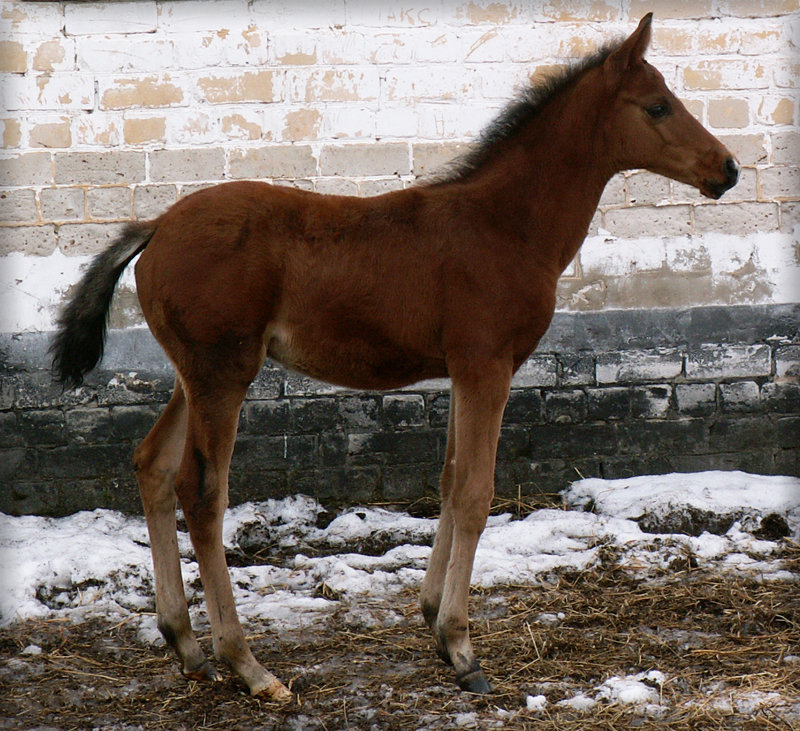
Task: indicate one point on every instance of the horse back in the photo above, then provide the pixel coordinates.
(341, 288)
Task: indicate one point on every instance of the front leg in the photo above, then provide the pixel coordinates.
(479, 397)
(433, 584)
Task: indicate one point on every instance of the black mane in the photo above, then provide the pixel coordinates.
(517, 113)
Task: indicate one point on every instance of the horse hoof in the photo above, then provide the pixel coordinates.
(272, 689)
(205, 673)
(474, 682)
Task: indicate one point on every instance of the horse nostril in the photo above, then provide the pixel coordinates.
(732, 170)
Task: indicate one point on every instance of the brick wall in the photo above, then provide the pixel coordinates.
(112, 111)
(609, 394)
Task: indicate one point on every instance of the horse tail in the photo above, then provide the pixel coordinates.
(78, 344)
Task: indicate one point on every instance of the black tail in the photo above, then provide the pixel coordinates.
(79, 341)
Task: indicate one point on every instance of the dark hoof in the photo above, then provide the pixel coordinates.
(204, 672)
(474, 682)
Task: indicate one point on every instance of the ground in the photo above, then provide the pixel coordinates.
(724, 647)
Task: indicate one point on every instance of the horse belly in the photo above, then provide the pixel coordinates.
(354, 361)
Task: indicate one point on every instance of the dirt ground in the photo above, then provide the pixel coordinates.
(728, 648)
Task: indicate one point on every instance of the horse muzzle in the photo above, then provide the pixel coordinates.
(715, 188)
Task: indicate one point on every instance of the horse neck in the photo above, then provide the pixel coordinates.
(549, 182)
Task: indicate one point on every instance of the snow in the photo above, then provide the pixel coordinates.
(535, 702)
(711, 492)
(98, 562)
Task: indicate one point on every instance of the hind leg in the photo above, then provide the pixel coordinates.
(157, 460)
(202, 488)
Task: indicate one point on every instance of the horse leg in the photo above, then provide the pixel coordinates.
(202, 489)
(157, 460)
(433, 584)
(480, 401)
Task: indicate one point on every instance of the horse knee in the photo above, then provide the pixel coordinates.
(470, 514)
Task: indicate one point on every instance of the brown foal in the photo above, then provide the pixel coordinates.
(455, 278)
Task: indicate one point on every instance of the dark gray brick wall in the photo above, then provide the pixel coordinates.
(608, 394)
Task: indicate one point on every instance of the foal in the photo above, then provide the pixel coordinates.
(454, 278)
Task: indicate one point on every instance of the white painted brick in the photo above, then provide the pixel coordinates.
(296, 48)
(279, 14)
(333, 84)
(241, 123)
(116, 17)
(343, 47)
(348, 122)
(243, 46)
(62, 91)
(153, 90)
(113, 54)
(786, 74)
(484, 46)
(621, 257)
(193, 127)
(53, 54)
(481, 13)
(247, 47)
(400, 121)
(428, 76)
(194, 15)
(99, 129)
(454, 121)
(727, 74)
(392, 14)
(292, 124)
(500, 82)
(686, 255)
(410, 83)
(199, 50)
(395, 48)
(437, 45)
(20, 17)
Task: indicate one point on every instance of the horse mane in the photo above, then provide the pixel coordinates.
(517, 113)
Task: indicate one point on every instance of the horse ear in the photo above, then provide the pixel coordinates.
(632, 49)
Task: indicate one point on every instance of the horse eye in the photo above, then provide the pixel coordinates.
(657, 111)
